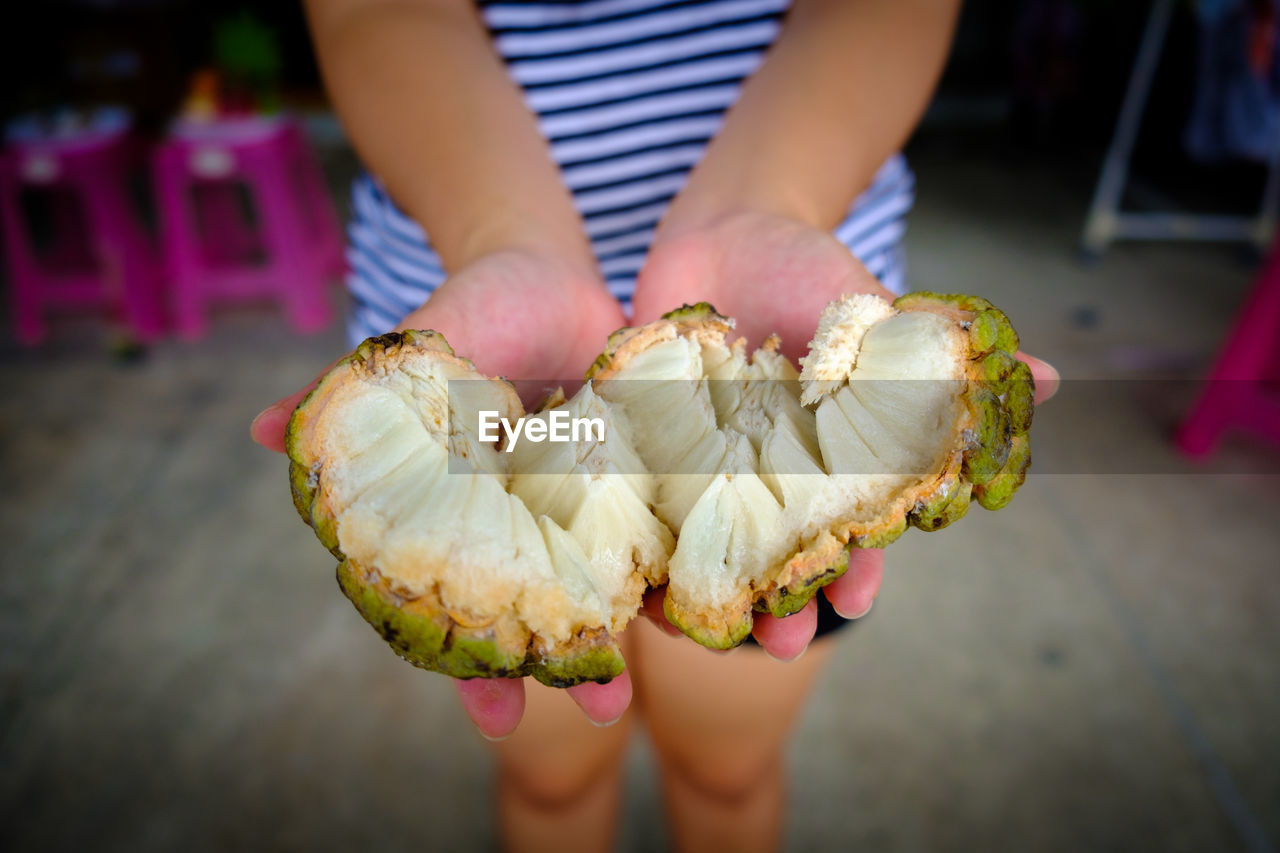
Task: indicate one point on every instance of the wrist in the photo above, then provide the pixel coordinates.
(700, 209)
(504, 229)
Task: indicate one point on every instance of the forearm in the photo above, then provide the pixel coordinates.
(839, 92)
(431, 110)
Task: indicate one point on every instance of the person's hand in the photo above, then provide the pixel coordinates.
(513, 314)
(773, 275)
(522, 316)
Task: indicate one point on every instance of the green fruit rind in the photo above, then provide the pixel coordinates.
(936, 503)
(600, 664)
(992, 433)
(429, 639)
(983, 333)
(882, 538)
(1019, 399)
(695, 312)
(954, 510)
(611, 346)
(736, 628)
(416, 639)
(419, 338)
(997, 368)
(789, 599)
(928, 300)
(1006, 337)
(474, 653)
(304, 502)
(989, 328)
(996, 493)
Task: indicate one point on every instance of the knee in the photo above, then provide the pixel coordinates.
(731, 774)
(559, 782)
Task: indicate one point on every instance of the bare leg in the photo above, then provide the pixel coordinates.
(719, 724)
(560, 777)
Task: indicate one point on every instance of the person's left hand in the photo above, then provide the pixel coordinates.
(773, 275)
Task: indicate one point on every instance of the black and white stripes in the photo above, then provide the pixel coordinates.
(627, 92)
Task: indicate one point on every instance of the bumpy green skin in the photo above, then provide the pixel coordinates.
(997, 367)
(789, 599)
(928, 515)
(882, 538)
(611, 347)
(996, 493)
(418, 640)
(939, 516)
(735, 632)
(992, 432)
(1020, 399)
(694, 313)
(983, 332)
(601, 664)
(430, 640)
(1001, 396)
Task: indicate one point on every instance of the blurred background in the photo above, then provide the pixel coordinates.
(1095, 667)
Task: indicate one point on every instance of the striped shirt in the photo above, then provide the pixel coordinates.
(627, 94)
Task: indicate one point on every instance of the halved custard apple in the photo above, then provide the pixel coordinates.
(902, 414)
(733, 479)
(436, 552)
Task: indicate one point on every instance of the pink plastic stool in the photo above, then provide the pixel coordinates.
(245, 215)
(1242, 391)
(99, 255)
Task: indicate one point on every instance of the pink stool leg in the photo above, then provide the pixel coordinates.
(71, 249)
(180, 238)
(1232, 395)
(26, 279)
(302, 278)
(127, 259)
(327, 229)
(226, 238)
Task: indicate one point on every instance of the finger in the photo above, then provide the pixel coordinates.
(269, 426)
(852, 593)
(603, 704)
(786, 639)
(651, 607)
(495, 705)
(1046, 376)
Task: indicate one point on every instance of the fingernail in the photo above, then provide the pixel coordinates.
(774, 657)
(267, 411)
(606, 723)
(494, 738)
(852, 616)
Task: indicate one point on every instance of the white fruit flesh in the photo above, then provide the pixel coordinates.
(714, 470)
(420, 499)
(747, 486)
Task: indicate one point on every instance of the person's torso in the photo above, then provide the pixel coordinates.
(627, 94)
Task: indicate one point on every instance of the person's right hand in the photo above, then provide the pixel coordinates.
(519, 315)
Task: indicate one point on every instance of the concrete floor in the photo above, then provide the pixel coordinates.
(1095, 667)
